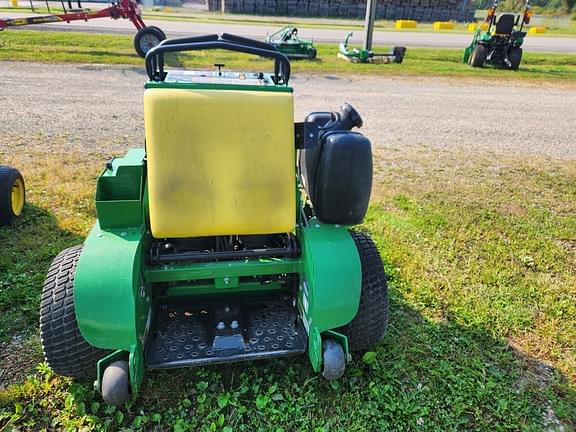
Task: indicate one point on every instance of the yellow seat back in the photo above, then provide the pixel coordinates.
(220, 162)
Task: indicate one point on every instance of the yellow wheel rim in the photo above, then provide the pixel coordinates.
(18, 196)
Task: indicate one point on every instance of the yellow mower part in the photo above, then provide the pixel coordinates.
(220, 162)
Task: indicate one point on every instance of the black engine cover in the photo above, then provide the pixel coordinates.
(338, 177)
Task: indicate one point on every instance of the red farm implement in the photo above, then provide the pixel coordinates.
(146, 38)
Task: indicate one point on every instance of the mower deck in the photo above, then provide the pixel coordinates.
(223, 332)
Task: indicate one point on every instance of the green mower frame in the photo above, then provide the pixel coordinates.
(126, 301)
(12, 195)
(356, 55)
(501, 44)
(287, 41)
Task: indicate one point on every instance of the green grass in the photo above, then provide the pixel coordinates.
(116, 49)
(481, 252)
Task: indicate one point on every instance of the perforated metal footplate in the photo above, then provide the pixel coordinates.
(222, 333)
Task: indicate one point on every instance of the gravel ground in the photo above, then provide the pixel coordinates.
(99, 108)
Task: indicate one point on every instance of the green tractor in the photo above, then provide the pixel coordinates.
(501, 44)
(286, 41)
(356, 55)
(12, 195)
(226, 238)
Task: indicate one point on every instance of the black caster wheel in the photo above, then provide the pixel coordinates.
(334, 360)
(116, 383)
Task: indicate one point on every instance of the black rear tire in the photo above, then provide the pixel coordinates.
(515, 57)
(369, 325)
(9, 179)
(312, 53)
(478, 57)
(147, 38)
(65, 350)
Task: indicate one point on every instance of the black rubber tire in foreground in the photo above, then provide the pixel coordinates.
(515, 57)
(116, 383)
(479, 55)
(8, 176)
(65, 350)
(151, 35)
(369, 325)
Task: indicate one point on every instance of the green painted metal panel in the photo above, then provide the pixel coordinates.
(103, 363)
(212, 270)
(119, 192)
(208, 288)
(207, 86)
(518, 41)
(331, 283)
(111, 300)
(137, 367)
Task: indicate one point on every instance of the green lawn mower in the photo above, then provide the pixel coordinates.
(227, 238)
(12, 195)
(501, 44)
(356, 55)
(286, 41)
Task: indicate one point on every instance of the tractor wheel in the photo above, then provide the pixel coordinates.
(333, 360)
(116, 383)
(65, 350)
(478, 57)
(399, 53)
(312, 53)
(515, 57)
(369, 324)
(12, 195)
(147, 38)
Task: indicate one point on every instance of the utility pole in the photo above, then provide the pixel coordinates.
(369, 24)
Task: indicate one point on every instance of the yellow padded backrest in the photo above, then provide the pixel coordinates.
(220, 162)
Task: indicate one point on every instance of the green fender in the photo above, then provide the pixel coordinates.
(110, 297)
(112, 301)
(331, 282)
(518, 41)
(478, 35)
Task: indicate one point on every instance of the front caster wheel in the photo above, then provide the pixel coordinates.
(116, 383)
(334, 360)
